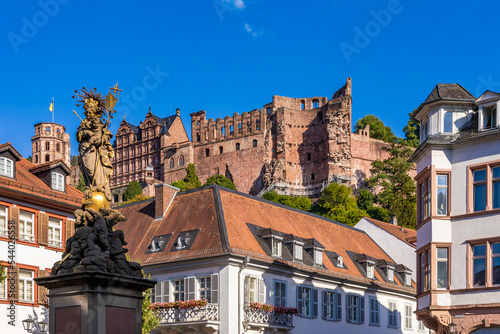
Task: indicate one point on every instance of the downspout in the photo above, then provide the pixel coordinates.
(246, 260)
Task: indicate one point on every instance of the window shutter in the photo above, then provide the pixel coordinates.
(189, 285)
(43, 229)
(348, 308)
(247, 290)
(14, 215)
(215, 288)
(13, 279)
(42, 291)
(362, 309)
(325, 305)
(299, 299)
(165, 291)
(315, 303)
(339, 306)
(262, 291)
(157, 292)
(70, 228)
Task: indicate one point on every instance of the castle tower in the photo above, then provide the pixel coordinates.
(50, 142)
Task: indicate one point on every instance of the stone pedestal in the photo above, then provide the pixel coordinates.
(95, 302)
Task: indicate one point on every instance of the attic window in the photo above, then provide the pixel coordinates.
(318, 257)
(277, 247)
(297, 251)
(154, 246)
(340, 261)
(490, 117)
(6, 167)
(390, 274)
(370, 269)
(57, 181)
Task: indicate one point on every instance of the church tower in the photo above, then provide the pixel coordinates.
(50, 142)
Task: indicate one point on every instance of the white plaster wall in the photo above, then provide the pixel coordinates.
(443, 299)
(473, 298)
(21, 313)
(441, 159)
(399, 251)
(424, 301)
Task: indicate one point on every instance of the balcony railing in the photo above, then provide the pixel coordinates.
(255, 316)
(210, 312)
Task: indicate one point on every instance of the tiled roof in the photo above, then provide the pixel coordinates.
(224, 218)
(404, 234)
(447, 92)
(28, 187)
(50, 165)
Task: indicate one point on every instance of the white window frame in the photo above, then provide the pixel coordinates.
(205, 287)
(298, 250)
(276, 246)
(279, 299)
(370, 269)
(178, 289)
(447, 271)
(374, 319)
(24, 221)
(6, 167)
(318, 257)
(408, 316)
(55, 225)
(4, 232)
(26, 286)
(57, 181)
(392, 314)
(390, 274)
(421, 327)
(3, 289)
(251, 289)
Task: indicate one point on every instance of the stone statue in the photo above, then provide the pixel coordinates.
(95, 246)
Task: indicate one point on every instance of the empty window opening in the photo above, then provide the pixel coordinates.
(312, 177)
(58, 147)
(490, 117)
(240, 130)
(308, 156)
(221, 149)
(198, 138)
(47, 158)
(255, 143)
(303, 105)
(231, 130)
(47, 130)
(207, 152)
(237, 146)
(315, 104)
(223, 131)
(257, 125)
(47, 146)
(320, 116)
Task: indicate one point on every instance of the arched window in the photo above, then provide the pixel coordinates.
(198, 138)
(231, 130)
(47, 146)
(315, 104)
(303, 105)
(36, 159)
(47, 158)
(255, 143)
(223, 131)
(207, 152)
(237, 146)
(58, 147)
(172, 163)
(58, 133)
(47, 130)
(221, 149)
(181, 160)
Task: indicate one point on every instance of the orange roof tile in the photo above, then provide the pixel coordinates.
(404, 234)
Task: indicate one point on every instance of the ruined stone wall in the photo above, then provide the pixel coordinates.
(175, 160)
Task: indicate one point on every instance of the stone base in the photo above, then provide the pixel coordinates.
(95, 302)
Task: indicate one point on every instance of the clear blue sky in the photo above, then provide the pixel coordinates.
(228, 56)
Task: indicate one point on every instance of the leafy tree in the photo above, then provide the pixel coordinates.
(396, 187)
(412, 132)
(221, 181)
(191, 179)
(136, 198)
(378, 130)
(179, 184)
(365, 201)
(134, 188)
(301, 203)
(74, 160)
(81, 184)
(30, 159)
(3, 274)
(337, 203)
(150, 319)
(379, 213)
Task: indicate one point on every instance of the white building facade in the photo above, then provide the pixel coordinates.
(458, 211)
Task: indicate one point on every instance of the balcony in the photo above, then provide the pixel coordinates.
(201, 319)
(254, 318)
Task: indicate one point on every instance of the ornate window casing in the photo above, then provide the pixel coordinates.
(374, 311)
(483, 187)
(6, 167)
(280, 288)
(483, 263)
(332, 305)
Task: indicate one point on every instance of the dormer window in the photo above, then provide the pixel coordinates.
(489, 117)
(340, 261)
(6, 167)
(154, 246)
(318, 257)
(277, 246)
(370, 269)
(390, 274)
(405, 274)
(298, 249)
(57, 181)
(407, 279)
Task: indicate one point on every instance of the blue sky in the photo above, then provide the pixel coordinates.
(227, 56)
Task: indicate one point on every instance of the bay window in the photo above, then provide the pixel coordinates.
(479, 192)
(442, 195)
(442, 268)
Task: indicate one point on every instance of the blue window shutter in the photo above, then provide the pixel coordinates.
(362, 309)
(299, 299)
(348, 308)
(325, 306)
(339, 306)
(315, 303)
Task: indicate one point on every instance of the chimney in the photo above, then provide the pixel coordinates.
(164, 196)
(394, 221)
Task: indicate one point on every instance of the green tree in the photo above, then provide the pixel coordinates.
(74, 160)
(301, 203)
(338, 203)
(365, 201)
(81, 184)
(191, 179)
(397, 189)
(3, 274)
(221, 181)
(134, 188)
(150, 319)
(378, 130)
(30, 159)
(179, 184)
(412, 132)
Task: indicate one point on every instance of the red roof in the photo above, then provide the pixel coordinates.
(404, 234)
